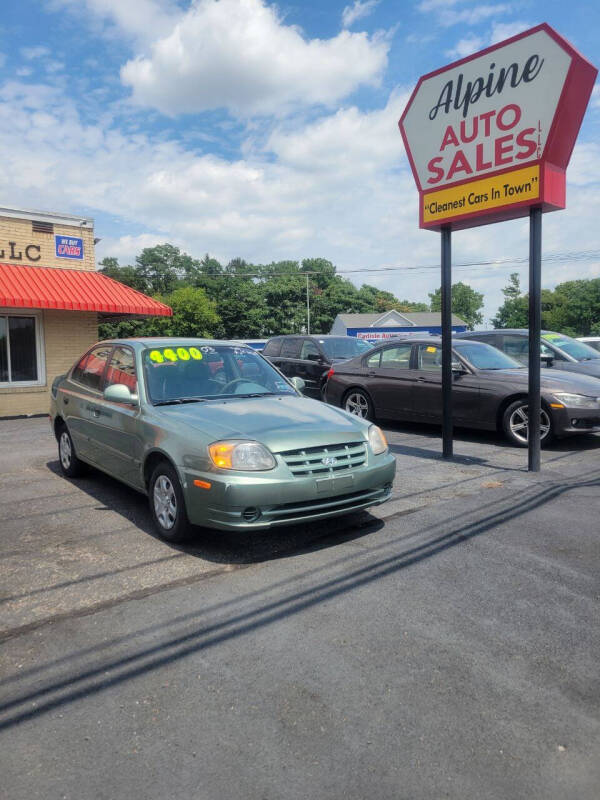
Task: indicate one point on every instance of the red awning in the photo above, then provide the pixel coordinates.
(73, 290)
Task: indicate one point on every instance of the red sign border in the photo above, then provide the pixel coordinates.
(571, 107)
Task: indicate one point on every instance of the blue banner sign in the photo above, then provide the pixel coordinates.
(69, 247)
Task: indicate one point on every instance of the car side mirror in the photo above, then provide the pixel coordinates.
(458, 368)
(119, 393)
(298, 383)
(547, 361)
(314, 357)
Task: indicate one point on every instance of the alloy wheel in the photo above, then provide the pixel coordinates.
(356, 403)
(519, 424)
(165, 502)
(65, 450)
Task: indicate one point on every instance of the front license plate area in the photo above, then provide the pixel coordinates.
(337, 485)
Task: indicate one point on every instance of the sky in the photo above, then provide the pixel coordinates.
(244, 128)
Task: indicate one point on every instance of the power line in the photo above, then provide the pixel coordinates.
(581, 255)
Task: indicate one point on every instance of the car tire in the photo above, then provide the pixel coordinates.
(167, 504)
(515, 424)
(70, 465)
(357, 402)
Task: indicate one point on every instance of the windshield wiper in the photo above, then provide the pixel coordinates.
(249, 394)
(177, 400)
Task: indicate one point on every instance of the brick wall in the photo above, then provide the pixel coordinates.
(67, 335)
(19, 231)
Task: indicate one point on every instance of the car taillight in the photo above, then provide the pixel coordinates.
(330, 373)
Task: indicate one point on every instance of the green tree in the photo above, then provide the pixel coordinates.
(164, 267)
(194, 314)
(130, 276)
(514, 312)
(466, 303)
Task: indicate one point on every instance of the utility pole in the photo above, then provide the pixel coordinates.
(307, 306)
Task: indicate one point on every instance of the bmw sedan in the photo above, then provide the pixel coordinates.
(215, 436)
(403, 380)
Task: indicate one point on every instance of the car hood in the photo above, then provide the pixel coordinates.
(585, 367)
(553, 380)
(283, 422)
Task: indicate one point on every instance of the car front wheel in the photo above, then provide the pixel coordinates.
(358, 402)
(515, 423)
(167, 504)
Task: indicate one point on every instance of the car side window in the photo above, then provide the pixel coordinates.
(93, 372)
(549, 351)
(78, 370)
(429, 357)
(290, 348)
(374, 360)
(272, 347)
(121, 369)
(397, 357)
(309, 348)
(516, 346)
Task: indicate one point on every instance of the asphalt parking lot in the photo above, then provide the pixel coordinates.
(443, 645)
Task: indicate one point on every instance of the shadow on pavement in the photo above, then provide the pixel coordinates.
(225, 547)
(248, 613)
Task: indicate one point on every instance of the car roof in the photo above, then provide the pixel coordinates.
(523, 331)
(312, 336)
(165, 341)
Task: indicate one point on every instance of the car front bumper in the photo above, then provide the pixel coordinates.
(576, 420)
(262, 501)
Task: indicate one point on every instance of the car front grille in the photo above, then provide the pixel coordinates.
(327, 460)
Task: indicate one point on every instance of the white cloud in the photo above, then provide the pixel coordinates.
(465, 47)
(238, 54)
(142, 20)
(447, 14)
(595, 99)
(31, 53)
(504, 30)
(358, 10)
(339, 188)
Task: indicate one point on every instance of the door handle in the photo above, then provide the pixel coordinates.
(66, 401)
(421, 380)
(95, 412)
(372, 373)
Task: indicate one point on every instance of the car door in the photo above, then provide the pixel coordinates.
(311, 367)
(389, 380)
(82, 394)
(427, 392)
(289, 358)
(117, 431)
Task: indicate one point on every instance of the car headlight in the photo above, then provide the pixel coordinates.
(377, 440)
(241, 455)
(577, 400)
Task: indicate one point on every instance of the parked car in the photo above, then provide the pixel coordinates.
(214, 435)
(309, 357)
(557, 351)
(591, 341)
(403, 380)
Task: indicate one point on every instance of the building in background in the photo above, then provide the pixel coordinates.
(390, 324)
(51, 299)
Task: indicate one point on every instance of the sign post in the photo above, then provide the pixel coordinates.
(489, 139)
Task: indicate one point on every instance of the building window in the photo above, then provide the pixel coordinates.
(21, 362)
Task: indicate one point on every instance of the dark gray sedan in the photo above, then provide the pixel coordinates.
(402, 380)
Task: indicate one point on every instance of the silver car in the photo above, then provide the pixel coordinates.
(215, 436)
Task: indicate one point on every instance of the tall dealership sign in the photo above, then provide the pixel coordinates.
(489, 139)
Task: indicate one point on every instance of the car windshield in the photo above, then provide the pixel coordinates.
(484, 356)
(573, 348)
(344, 346)
(189, 373)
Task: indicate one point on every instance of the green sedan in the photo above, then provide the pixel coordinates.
(215, 436)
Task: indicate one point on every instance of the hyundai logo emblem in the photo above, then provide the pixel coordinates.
(329, 461)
